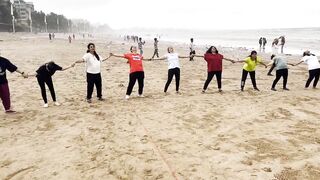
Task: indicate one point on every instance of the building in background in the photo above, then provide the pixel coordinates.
(24, 10)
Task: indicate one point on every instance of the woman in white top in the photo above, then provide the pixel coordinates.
(313, 67)
(173, 67)
(93, 69)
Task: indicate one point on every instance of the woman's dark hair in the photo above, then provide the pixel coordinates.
(50, 65)
(307, 53)
(252, 53)
(131, 48)
(169, 48)
(95, 53)
(155, 39)
(210, 50)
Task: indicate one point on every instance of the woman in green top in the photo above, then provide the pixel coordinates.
(249, 67)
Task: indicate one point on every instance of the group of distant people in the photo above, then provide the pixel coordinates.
(212, 56)
(276, 43)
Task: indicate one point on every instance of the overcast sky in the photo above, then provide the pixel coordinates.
(199, 14)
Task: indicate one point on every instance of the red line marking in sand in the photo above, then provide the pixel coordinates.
(173, 173)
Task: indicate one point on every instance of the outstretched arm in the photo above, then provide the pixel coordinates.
(106, 58)
(264, 64)
(115, 55)
(79, 61)
(72, 65)
(162, 58)
(186, 56)
(227, 59)
(297, 63)
(195, 55)
(22, 73)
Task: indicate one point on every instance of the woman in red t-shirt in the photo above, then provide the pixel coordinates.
(214, 62)
(136, 70)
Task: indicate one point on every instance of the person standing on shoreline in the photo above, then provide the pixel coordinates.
(192, 50)
(140, 46)
(282, 41)
(156, 50)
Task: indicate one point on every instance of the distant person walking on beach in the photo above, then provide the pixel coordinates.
(313, 67)
(274, 46)
(74, 37)
(249, 67)
(93, 68)
(53, 35)
(69, 39)
(282, 41)
(173, 67)
(260, 43)
(140, 46)
(264, 42)
(5, 65)
(281, 66)
(192, 50)
(214, 63)
(44, 76)
(50, 36)
(156, 50)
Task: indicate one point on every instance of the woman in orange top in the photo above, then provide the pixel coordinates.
(136, 70)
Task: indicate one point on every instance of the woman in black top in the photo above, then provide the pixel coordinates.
(43, 75)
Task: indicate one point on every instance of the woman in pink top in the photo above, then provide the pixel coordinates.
(214, 63)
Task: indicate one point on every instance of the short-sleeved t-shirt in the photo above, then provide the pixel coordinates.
(280, 63)
(250, 64)
(173, 60)
(93, 65)
(135, 61)
(5, 64)
(312, 61)
(214, 61)
(46, 71)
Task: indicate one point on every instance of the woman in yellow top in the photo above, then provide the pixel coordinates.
(249, 67)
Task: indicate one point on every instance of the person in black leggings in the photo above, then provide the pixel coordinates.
(214, 63)
(313, 67)
(173, 67)
(281, 66)
(44, 76)
(249, 68)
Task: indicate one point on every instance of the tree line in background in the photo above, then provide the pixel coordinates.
(55, 22)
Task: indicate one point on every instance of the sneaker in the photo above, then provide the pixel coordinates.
(141, 95)
(89, 101)
(178, 92)
(203, 91)
(273, 89)
(127, 97)
(269, 74)
(101, 99)
(45, 105)
(57, 104)
(220, 90)
(286, 89)
(256, 89)
(10, 111)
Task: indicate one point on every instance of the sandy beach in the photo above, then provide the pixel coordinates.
(215, 136)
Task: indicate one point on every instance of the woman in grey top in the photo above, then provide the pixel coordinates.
(281, 66)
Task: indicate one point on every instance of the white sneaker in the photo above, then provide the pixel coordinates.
(140, 95)
(56, 104)
(127, 97)
(46, 105)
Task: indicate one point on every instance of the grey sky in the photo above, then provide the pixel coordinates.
(199, 14)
